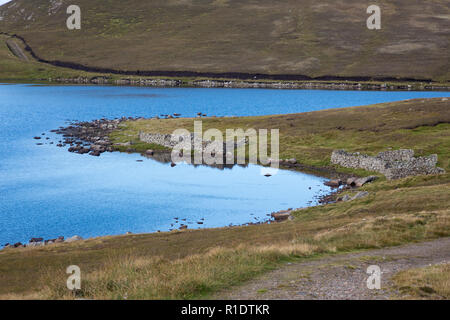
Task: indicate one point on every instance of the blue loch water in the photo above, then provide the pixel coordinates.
(47, 192)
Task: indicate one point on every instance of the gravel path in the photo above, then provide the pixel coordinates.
(341, 276)
(16, 50)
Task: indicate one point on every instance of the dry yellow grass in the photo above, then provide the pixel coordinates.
(137, 277)
(424, 283)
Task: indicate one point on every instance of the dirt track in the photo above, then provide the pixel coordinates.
(16, 50)
(343, 276)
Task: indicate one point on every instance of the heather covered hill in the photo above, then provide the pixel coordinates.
(300, 37)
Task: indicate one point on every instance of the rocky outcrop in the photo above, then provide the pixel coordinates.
(359, 195)
(74, 238)
(359, 182)
(393, 164)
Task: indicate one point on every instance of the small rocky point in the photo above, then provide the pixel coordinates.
(40, 242)
(90, 137)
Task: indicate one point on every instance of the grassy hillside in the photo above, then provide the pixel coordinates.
(195, 263)
(297, 37)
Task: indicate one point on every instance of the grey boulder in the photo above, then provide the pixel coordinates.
(74, 238)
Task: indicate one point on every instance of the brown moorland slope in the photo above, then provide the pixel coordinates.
(286, 37)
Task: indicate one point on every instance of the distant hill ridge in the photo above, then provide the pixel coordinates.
(285, 39)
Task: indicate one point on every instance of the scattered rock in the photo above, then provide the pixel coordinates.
(362, 181)
(59, 240)
(359, 195)
(394, 164)
(94, 134)
(281, 215)
(335, 183)
(74, 238)
(345, 198)
(123, 144)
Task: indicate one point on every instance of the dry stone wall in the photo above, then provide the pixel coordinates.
(393, 164)
(192, 141)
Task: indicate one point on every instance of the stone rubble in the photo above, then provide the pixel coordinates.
(190, 141)
(394, 164)
(89, 137)
(359, 195)
(40, 242)
(347, 85)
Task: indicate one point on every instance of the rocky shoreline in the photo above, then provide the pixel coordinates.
(40, 242)
(339, 185)
(92, 138)
(231, 79)
(200, 83)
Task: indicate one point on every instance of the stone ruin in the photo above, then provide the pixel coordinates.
(190, 141)
(394, 164)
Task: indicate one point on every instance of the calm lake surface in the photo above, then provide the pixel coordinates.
(47, 192)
